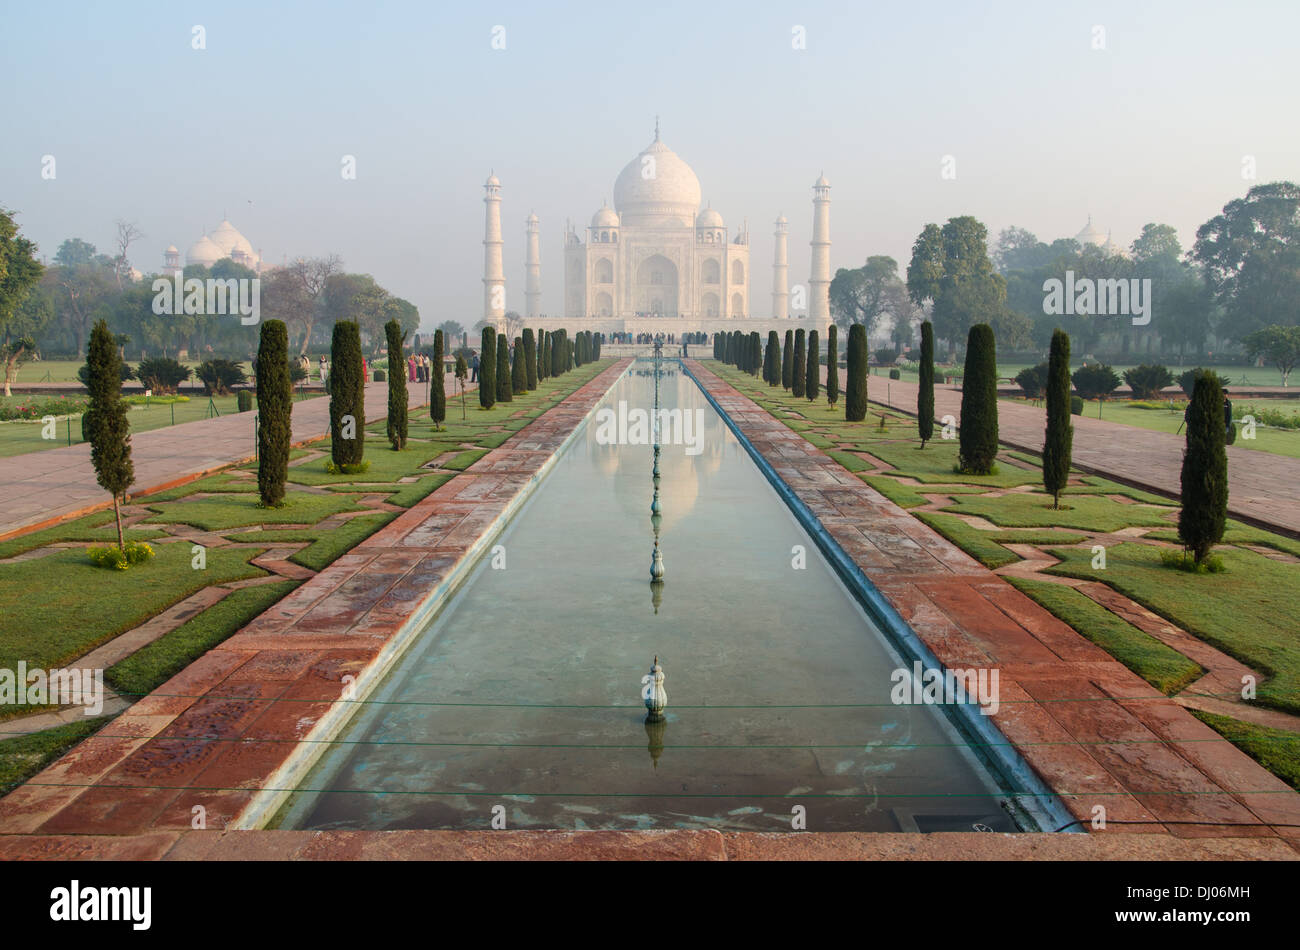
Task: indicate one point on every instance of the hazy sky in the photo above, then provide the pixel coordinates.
(1044, 129)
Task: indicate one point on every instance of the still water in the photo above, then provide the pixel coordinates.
(522, 699)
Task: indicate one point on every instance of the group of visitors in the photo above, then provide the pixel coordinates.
(418, 367)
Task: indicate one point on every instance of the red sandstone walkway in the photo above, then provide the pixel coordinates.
(1264, 489)
(1095, 732)
(56, 484)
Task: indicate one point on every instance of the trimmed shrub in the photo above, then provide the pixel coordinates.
(979, 403)
(437, 382)
(530, 361)
(799, 367)
(1205, 471)
(220, 376)
(505, 383)
(885, 355)
(1147, 380)
(1096, 381)
(1033, 381)
(162, 375)
(895, 374)
(832, 365)
(1076, 405)
(397, 394)
(347, 396)
(855, 395)
(812, 375)
(487, 369)
(1059, 440)
(274, 412)
(772, 359)
(925, 394)
(787, 360)
(381, 377)
(244, 400)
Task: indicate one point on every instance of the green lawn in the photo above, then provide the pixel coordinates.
(1277, 751)
(237, 510)
(1248, 611)
(21, 757)
(1034, 509)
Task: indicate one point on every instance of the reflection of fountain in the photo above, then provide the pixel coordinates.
(656, 700)
(655, 733)
(656, 519)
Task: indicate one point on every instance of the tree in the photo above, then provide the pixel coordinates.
(1058, 442)
(832, 365)
(1096, 381)
(105, 424)
(487, 369)
(311, 278)
(451, 332)
(950, 266)
(1205, 470)
(397, 396)
(20, 272)
(462, 373)
(544, 356)
(1251, 256)
(519, 371)
(812, 377)
(925, 392)
(1147, 380)
(437, 381)
(274, 412)
(530, 361)
(772, 359)
(347, 397)
(787, 360)
(855, 396)
(127, 234)
(799, 365)
(979, 403)
(1277, 344)
(864, 295)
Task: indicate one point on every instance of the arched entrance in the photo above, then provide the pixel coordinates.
(656, 287)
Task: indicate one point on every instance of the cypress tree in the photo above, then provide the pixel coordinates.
(925, 393)
(438, 397)
(569, 354)
(1205, 469)
(787, 360)
(505, 386)
(755, 353)
(557, 352)
(1058, 441)
(104, 423)
(772, 359)
(487, 369)
(799, 367)
(544, 356)
(274, 410)
(979, 403)
(530, 361)
(832, 365)
(347, 396)
(855, 395)
(812, 378)
(397, 397)
(599, 341)
(519, 372)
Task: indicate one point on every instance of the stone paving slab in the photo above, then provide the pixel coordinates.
(1096, 732)
(700, 845)
(222, 728)
(1263, 488)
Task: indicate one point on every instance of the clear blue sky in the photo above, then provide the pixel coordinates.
(1044, 129)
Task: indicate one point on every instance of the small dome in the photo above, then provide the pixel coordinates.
(532, 217)
(494, 180)
(1090, 235)
(821, 182)
(203, 252)
(172, 249)
(781, 219)
(606, 217)
(709, 219)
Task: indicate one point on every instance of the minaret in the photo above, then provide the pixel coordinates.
(533, 268)
(494, 278)
(819, 302)
(780, 273)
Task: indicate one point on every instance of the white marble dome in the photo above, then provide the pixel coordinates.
(1091, 234)
(657, 184)
(709, 219)
(203, 253)
(605, 217)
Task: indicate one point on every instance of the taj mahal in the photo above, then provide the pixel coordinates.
(657, 262)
